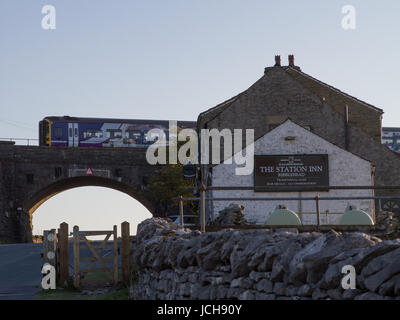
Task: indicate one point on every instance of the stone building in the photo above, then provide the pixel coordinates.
(343, 168)
(338, 118)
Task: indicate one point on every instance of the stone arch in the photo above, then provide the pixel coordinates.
(35, 201)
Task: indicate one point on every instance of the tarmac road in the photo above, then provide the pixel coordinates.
(21, 265)
(20, 270)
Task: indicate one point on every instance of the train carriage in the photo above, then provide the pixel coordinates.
(101, 132)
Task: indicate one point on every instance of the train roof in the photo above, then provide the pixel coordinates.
(113, 120)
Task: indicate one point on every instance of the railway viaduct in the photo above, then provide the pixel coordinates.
(31, 175)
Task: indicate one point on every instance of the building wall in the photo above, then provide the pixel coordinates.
(360, 114)
(274, 98)
(279, 95)
(345, 169)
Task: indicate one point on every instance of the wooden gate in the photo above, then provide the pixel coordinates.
(80, 240)
(56, 248)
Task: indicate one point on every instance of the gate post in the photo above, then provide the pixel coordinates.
(125, 252)
(76, 257)
(63, 257)
(115, 255)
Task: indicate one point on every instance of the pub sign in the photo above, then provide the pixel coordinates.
(295, 172)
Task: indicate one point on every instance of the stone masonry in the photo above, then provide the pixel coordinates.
(262, 264)
(31, 175)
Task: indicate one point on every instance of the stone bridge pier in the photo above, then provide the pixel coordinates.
(31, 175)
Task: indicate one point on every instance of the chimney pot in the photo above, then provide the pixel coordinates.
(278, 61)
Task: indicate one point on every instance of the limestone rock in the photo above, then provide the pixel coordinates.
(230, 216)
(243, 283)
(264, 296)
(247, 295)
(381, 269)
(257, 276)
(222, 292)
(305, 291)
(369, 296)
(335, 294)
(265, 285)
(292, 291)
(260, 264)
(387, 223)
(370, 253)
(233, 293)
(319, 294)
(279, 288)
(391, 287)
(350, 294)
(328, 246)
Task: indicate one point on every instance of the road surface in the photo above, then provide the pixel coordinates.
(20, 270)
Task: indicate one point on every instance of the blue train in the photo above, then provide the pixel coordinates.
(98, 132)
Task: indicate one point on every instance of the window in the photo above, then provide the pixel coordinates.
(93, 133)
(58, 133)
(114, 133)
(70, 132)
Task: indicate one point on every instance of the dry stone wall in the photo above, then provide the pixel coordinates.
(262, 264)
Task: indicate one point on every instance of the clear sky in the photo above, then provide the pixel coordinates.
(174, 59)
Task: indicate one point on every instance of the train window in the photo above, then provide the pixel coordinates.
(133, 134)
(114, 133)
(70, 132)
(76, 131)
(57, 132)
(155, 136)
(93, 133)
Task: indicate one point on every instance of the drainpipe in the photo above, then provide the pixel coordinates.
(346, 127)
(374, 206)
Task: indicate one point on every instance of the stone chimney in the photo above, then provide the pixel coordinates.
(291, 60)
(277, 61)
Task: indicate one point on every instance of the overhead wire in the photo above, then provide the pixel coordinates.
(17, 124)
